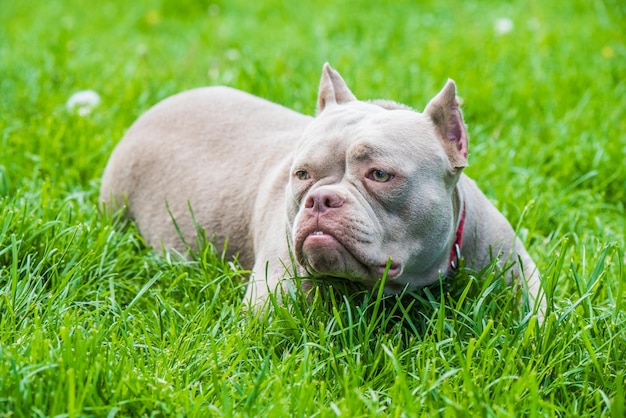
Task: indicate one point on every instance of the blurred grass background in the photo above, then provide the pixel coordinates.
(92, 323)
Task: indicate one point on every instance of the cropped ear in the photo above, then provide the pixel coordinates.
(444, 111)
(333, 89)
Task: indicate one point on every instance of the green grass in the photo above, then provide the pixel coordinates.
(92, 323)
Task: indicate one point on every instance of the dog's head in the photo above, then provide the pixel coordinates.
(372, 186)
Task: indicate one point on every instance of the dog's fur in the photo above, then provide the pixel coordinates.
(360, 184)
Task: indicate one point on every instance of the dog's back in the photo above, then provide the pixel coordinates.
(207, 149)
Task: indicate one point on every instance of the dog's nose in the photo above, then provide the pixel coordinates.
(322, 200)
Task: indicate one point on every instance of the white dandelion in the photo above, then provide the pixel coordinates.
(503, 25)
(83, 102)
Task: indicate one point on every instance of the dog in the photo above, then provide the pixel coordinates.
(360, 191)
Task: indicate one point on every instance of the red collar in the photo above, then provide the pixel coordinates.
(455, 251)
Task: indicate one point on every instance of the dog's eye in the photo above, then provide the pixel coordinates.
(379, 176)
(302, 175)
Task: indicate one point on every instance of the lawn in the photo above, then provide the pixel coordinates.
(93, 323)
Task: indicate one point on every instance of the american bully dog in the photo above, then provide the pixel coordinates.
(362, 190)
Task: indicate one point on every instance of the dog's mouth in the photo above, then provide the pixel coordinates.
(318, 239)
(324, 253)
(393, 271)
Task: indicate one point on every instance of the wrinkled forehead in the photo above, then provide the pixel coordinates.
(336, 121)
(368, 126)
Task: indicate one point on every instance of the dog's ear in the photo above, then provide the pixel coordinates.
(333, 90)
(444, 111)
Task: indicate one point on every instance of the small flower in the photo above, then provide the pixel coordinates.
(83, 102)
(152, 17)
(503, 25)
(608, 52)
